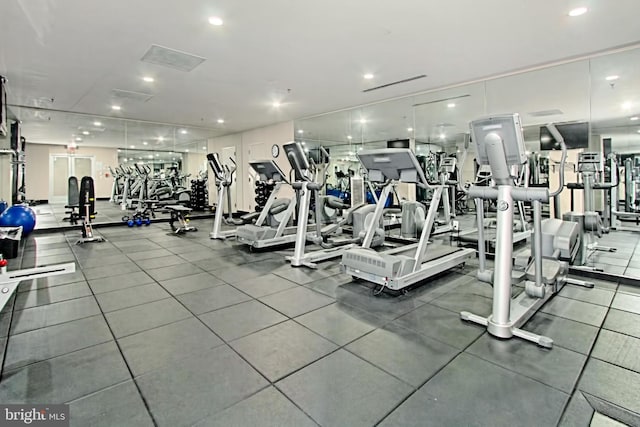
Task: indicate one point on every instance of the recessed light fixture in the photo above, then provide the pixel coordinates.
(183, 131)
(126, 160)
(79, 139)
(276, 104)
(160, 138)
(216, 20)
(97, 123)
(626, 105)
(349, 137)
(359, 148)
(85, 132)
(409, 129)
(204, 148)
(220, 121)
(634, 118)
(151, 156)
(186, 151)
(363, 121)
(157, 155)
(306, 150)
(170, 152)
(145, 143)
(442, 136)
(148, 79)
(302, 142)
(132, 146)
(119, 150)
(116, 107)
(638, 130)
(368, 76)
(131, 159)
(300, 131)
(451, 105)
(611, 78)
(578, 11)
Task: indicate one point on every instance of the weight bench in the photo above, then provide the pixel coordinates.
(179, 214)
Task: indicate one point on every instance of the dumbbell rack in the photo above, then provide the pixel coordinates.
(263, 191)
(199, 197)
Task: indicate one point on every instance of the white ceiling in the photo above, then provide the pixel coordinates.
(308, 55)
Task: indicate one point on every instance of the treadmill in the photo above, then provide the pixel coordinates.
(403, 266)
(262, 234)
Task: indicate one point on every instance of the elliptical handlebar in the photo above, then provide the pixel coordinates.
(558, 137)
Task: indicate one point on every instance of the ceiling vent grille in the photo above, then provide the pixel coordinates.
(172, 58)
(435, 101)
(130, 95)
(545, 113)
(410, 79)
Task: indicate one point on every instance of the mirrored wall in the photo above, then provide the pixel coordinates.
(601, 93)
(61, 144)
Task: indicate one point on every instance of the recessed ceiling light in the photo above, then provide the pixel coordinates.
(451, 105)
(359, 148)
(116, 107)
(216, 20)
(160, 138)
(442, 136)
(132, 146)
(126, 160)
(170, 152)
(363, 121)
(409, 129)
(151, 156)
(145, 143)
(302, 142)
(119, 150)
(173, 158)
(578, 11)
(300, 131)
(626, 105)
(610, 78)
(148, 79)
(187, 150)
(306, 150)
(183, 131)
(220, 121)
(139, 158)
(349, 137)
(638, 130)
(131, 159)
(276, 104)
(78, 139)
(634, 118)
(97, 123)
(85, 132)
(157, 155)
(368, 76)
(204, 148)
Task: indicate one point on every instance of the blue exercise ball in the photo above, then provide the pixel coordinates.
(19, 215)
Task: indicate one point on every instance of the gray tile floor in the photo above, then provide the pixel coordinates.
(157, 329)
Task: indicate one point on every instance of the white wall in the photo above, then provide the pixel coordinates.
(37, 168)
(253, 144)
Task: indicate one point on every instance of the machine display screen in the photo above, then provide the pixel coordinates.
(576, 135)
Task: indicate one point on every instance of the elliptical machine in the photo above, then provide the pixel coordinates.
(308, 183)
(500, 143)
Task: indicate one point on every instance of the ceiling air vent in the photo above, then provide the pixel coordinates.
(172, 58)
(130, 95)
(435, 101)
(545, 113)
(410, 79)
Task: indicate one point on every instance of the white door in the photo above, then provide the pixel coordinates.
(61, 167)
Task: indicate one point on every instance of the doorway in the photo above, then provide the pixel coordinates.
(61, 167)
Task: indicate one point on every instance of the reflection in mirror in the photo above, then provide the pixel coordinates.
(61, 144)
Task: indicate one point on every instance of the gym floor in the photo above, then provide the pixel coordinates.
(158, 329)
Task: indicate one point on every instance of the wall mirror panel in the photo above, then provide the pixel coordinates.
(61, 144)
(600, 95)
